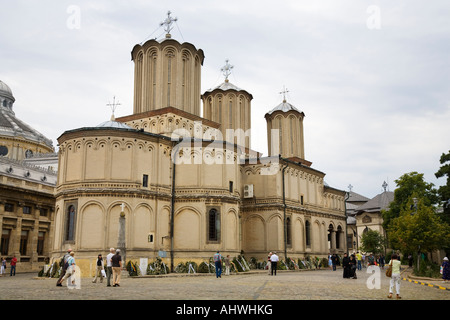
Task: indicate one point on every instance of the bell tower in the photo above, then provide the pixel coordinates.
(167, 73)
(285, 131)
(231, 107)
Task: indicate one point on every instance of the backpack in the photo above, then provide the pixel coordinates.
(64, 263)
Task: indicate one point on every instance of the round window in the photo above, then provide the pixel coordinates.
(3, 151)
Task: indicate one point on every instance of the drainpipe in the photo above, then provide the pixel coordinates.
(172, 211)
(347, 194)
(284, 211)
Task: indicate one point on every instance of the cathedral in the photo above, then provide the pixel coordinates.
(181, 172)
(189, 184)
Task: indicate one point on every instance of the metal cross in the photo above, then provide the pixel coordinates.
(350, 187)
(284, 93)
(226, 69)
(167, 23)
(113, 105)
(384, 185)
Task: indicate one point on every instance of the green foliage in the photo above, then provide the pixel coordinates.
(422, 228)
(157, 267)
(52, 272)
(205, 268)
(372, 241)
(133, 268)
(444, 191)
(408, 185)
(427, 269)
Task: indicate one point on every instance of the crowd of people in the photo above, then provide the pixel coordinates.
(113, 268)
(350, 264)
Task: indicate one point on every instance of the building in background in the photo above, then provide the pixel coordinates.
(26, 189)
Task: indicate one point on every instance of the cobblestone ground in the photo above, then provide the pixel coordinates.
(287, 285)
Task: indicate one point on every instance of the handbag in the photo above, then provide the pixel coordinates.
(103, 273)
(389, 270)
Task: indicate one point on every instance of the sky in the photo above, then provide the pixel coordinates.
(372, 77)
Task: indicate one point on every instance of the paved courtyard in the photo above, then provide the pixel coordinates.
(287, 285)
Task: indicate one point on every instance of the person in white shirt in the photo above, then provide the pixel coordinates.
(112, 251)
(274, 259)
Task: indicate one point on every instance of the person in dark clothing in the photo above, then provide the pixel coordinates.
(352, 266)
(346, 265)
(116, 262)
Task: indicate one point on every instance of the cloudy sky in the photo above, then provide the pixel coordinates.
(372, 77)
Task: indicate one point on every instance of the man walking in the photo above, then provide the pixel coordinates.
(116, 262)
(218, 264)
(359, 260)
(109, 266)
(273, 261)
(13, 266)
(70, 270)
(63, 265)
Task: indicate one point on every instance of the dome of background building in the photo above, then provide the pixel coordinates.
(5, 90)
(18, 140)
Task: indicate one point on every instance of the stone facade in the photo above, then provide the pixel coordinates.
(26, 189)
(185, 189)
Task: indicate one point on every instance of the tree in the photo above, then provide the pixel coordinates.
(407, 185)
(372, 241)
(444, 191)
(418, 228)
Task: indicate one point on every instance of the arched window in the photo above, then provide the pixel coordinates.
(308, 233)
(280, 141)
(338, 237)
(70, 223)
(230, 115)
(213, 225)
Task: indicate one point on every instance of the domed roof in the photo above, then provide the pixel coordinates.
(11, 126)
(225, 86)
(5, 91)
(284, 107)
(113, 124)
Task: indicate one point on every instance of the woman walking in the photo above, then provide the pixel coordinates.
(395, 278)
(98, 270)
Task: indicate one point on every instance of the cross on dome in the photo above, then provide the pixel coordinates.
(167, 23)
(113, 107)
(226, 69)
(284, 93)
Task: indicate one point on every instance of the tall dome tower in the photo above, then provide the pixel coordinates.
(231, 107)
(285, 131)
(167, 74)
(17, 139)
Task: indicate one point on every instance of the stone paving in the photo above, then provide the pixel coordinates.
(255, 285)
